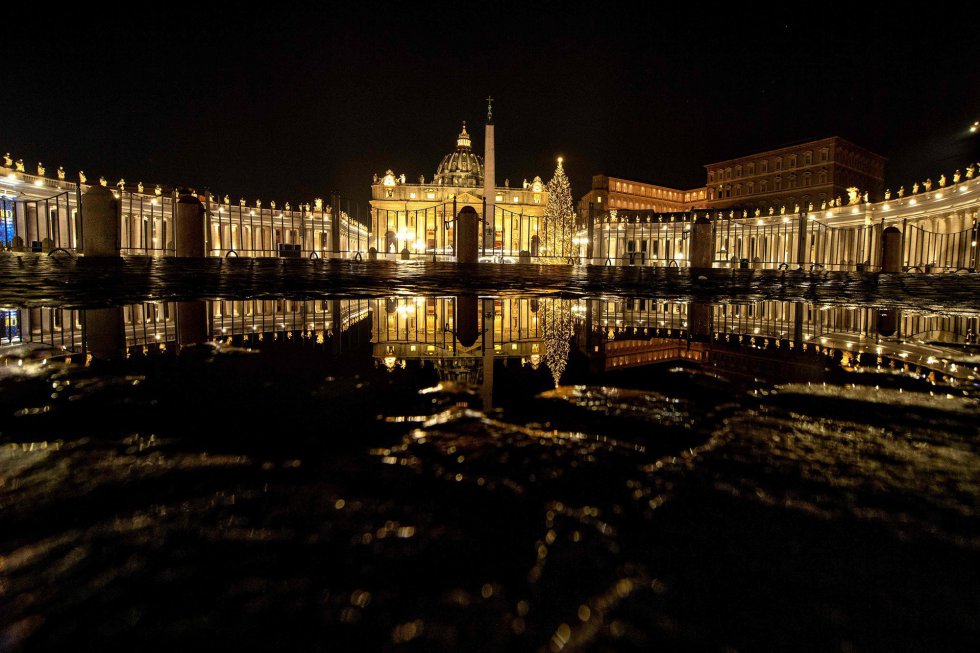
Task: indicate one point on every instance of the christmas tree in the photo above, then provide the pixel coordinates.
(559, 218)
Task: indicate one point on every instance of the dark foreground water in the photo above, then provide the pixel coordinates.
(476, 473)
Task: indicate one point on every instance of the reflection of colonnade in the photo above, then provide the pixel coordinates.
(168, 325)
(632, 332)
(462, 336)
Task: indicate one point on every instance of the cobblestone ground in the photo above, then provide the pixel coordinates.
(35, 280)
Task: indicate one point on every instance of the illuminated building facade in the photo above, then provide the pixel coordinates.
(816, 172)
(416, 219)
(609, 193)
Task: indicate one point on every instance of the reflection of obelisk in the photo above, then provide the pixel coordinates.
(486, 388)
(489, 178)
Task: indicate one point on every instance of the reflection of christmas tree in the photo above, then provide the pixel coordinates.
(559, 218)
(557, 316)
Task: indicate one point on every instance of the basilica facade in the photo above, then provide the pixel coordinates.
(412, 219)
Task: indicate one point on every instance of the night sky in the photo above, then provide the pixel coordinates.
(288, 105)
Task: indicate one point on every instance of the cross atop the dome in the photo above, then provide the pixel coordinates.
(490, 110)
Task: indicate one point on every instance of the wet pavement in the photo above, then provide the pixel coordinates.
(455, 472)
(42, 279)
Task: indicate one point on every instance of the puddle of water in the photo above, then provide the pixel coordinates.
(488, 473)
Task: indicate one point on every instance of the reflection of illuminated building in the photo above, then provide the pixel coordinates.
(460, 336)
(426, 328)
(156, 326)
(773, 338)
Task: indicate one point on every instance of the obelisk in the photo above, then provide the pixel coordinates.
(489, 178)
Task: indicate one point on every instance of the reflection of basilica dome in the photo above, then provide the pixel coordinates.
(461, 167)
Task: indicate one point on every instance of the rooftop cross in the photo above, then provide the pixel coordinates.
(489, 110)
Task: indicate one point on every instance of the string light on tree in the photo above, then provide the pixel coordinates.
(557, 328)
(559, 218)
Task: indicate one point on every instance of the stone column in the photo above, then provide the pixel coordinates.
(702, 244)
(489, 181)
(335, 224)
(189, 226)
(891, 250)
(100, 222)
(468, 232)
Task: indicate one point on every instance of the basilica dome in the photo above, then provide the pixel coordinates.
(461, 167)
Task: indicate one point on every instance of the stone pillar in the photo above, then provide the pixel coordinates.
(489, 180)
(100, 222)
(33, 226)
(801, 233)
(189, 226)
(468, 233)
(192, 323)
(335, 223)
(891, 250)
(702, 244)
(104, 336)
(590, 234)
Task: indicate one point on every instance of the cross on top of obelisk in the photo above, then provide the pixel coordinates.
(489, 110)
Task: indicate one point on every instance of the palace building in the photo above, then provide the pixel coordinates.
(623, 194)
(816, 172)
(417, 219)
